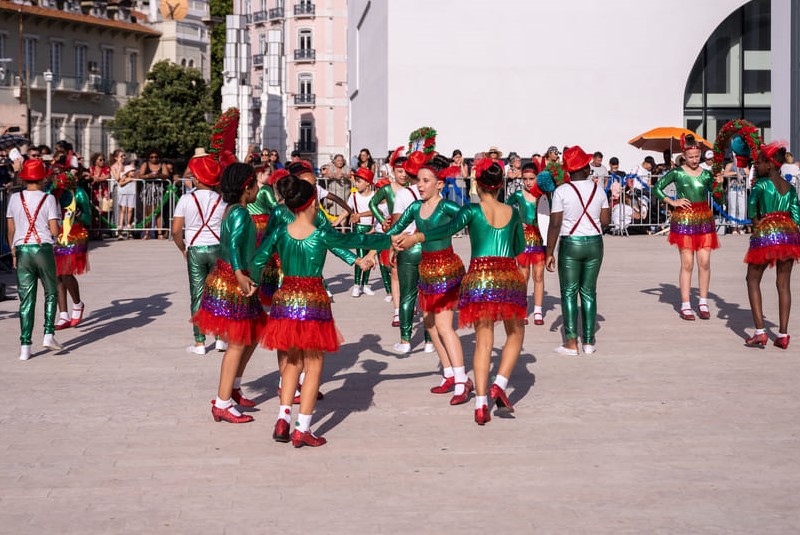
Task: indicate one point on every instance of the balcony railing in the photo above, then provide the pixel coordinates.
(305, 54)
(81, 84)
(305, 99)
(305, 146)
(260, 16)
(257, 103)
(276, 13)
(304, 10)
(258, 60)
(131, 89)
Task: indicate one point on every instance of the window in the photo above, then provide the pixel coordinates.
(80, 64)
(107, 64)
(55, 131)
(183, 62)
(304, 81)
(191, 64)
(80, 134)
(133, 67)
(2, 45)
(731, 77)
(29, 57)
(306, 138)
(56, 52)
(304, 39)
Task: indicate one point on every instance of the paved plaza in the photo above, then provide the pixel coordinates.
(671, 427)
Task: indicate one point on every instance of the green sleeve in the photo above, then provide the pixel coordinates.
(518, 239)
(346, 255)
(379, 197)
(514, 198)
(335, 239)
(82, 202)
(794, 208)
(262, 256)
(752, 201)
(265, 199)
(405, 219)
(237, 238)
(461, 220)
(449, 208)
(665, 181)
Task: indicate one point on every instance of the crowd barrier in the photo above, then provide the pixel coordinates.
(138, 209)
(5, 247)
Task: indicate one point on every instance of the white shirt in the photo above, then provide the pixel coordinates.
(402, 200)
(643, 174)
(621, 216)
(187, 209)
(358, 202)
(565, 200)
(48, 211)
(791, 169)
(321, 193)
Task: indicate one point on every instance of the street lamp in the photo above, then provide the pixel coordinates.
(48, 78)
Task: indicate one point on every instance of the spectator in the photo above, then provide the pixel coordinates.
(458, 160)
(495, 154)
(552, 154)
(98, 176)
(513, 173)
(365, 161)
(597, 171)
(294, 156)
(737, 186)
(154, 172)
(340, 169)
(126, 195)
(6, 172)
(643, 172)
(621, 216)
(274, 161)
(708, 161)
(614, 169)
(790, 170)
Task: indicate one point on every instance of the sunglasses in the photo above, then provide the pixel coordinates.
(154, 157)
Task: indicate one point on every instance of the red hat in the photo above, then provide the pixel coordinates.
(770, 150)
(415, 160)
(382, 182)
(365, 174)
(575, 159)
(277, 175)
(226, 158)
(395, 155)
(206, 170)
(33, 170)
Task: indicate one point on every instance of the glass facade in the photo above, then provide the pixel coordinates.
(731, 78)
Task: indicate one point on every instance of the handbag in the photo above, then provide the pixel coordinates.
(106, 204)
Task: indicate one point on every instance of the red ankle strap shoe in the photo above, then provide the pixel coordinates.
(300, 439)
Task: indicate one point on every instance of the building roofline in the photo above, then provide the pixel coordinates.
(56, 14)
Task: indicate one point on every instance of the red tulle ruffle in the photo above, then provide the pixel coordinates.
(72, 264)
(771, 254)
(530, 259)
(709, 240)
(438, 302)
(383, 257)
(285, 334)
(237, 332)
(474, 312)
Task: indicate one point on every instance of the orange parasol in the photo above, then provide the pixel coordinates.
(666, 138)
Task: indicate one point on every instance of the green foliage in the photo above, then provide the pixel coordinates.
(218, 10)
(170, 114)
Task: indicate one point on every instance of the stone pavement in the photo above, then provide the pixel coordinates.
(671, 427)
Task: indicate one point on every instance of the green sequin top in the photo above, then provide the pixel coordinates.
(237, 237)
(444, 212)
(527, 209)
(282, 216)
(693, 188)
(485, 240)
(765, 199)
(265, 201)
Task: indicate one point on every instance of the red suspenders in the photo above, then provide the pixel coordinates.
(585, 207)
(204, 222)
(32, 220)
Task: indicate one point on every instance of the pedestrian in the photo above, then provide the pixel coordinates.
(577, 216)
(775, 210)
(32, 220)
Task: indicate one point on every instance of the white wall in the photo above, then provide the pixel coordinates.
(524, 75)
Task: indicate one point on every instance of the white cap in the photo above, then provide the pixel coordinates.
(709, 154)
(128, 169)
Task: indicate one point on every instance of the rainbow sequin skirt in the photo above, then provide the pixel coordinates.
(72, 258)
(225, 311)
(534, 247)
(693, 227)
(270, 280)
(493, 289)
(300, 317)
(440, 274)
(776, 237)
(261, 221)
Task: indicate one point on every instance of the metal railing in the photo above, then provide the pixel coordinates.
(305, 146)
(305, 99)
(133, 212)
(304, 9)
(258, 60)
(260, 16)
(305, 54)
(276, 13)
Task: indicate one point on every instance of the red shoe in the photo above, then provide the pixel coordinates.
(482, 415)
(63, 324)
(703, 312)
(687, 314)
(757, 340)
(306, 439)
(240, 400)
(281, 432)
(445, 387)
(498, 395)
(228, 416)
(458, 399)
(75, 321)
(525, 321)
(538, 318)
(396, 321)
(782, 342)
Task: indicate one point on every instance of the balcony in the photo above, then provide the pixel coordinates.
(305, 99)
(276, 13)
(305, 54)
(305, 146)
(304, 10)
(92, 83)
(260, 16)
(258, 60)
(256, 103)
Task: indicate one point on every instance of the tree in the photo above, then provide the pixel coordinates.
(170, 115)
(218, 9)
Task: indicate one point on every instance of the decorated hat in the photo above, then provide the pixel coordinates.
(65, 180)
(33, 170)
(226, 158)
(495, 150)
(395, 155)
(769, 151)
(277, 175)
(206, 170)
(415, 160)
(575, 159)
(382, 182)
(199, 152)
(365, 174)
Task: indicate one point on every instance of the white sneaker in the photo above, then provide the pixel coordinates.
(329, 293)
(24, 352)
(50, 342)
(402, 347)
(589, 349)
(561, 350)
(429, 347)
(197, 350)
(356, 291)
(366, 290)
(388, 298)
(221, 345)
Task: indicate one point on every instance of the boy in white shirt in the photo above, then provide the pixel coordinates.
(363, 220)
(33, 217)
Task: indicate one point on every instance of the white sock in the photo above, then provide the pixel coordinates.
(285, 412)
(501, 381)
(460, 375)
(77, 309)
(396, 311)
(64, 316)
(762, 331)
(227, 404)
(237, 383)
(480, 401)
(782, 335)
(686, 305)
(447, 372)
(537, 310)
(702, 301)
(303, 423)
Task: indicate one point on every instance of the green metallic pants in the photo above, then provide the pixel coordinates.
(579, 261)
(408, 276)
(34, 263)
(362, 277)
(386, 275)
(200, 261)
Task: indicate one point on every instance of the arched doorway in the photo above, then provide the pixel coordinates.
(731, 78)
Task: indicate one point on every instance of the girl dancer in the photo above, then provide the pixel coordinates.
(775, 210)
(72, 245)
(493, 288)
(692, 226)
(260, 210)
(440, 274)
(531, 261)
(32, 219)
(363, 223)
(229, 307)
(200, 214)
(301, 326)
